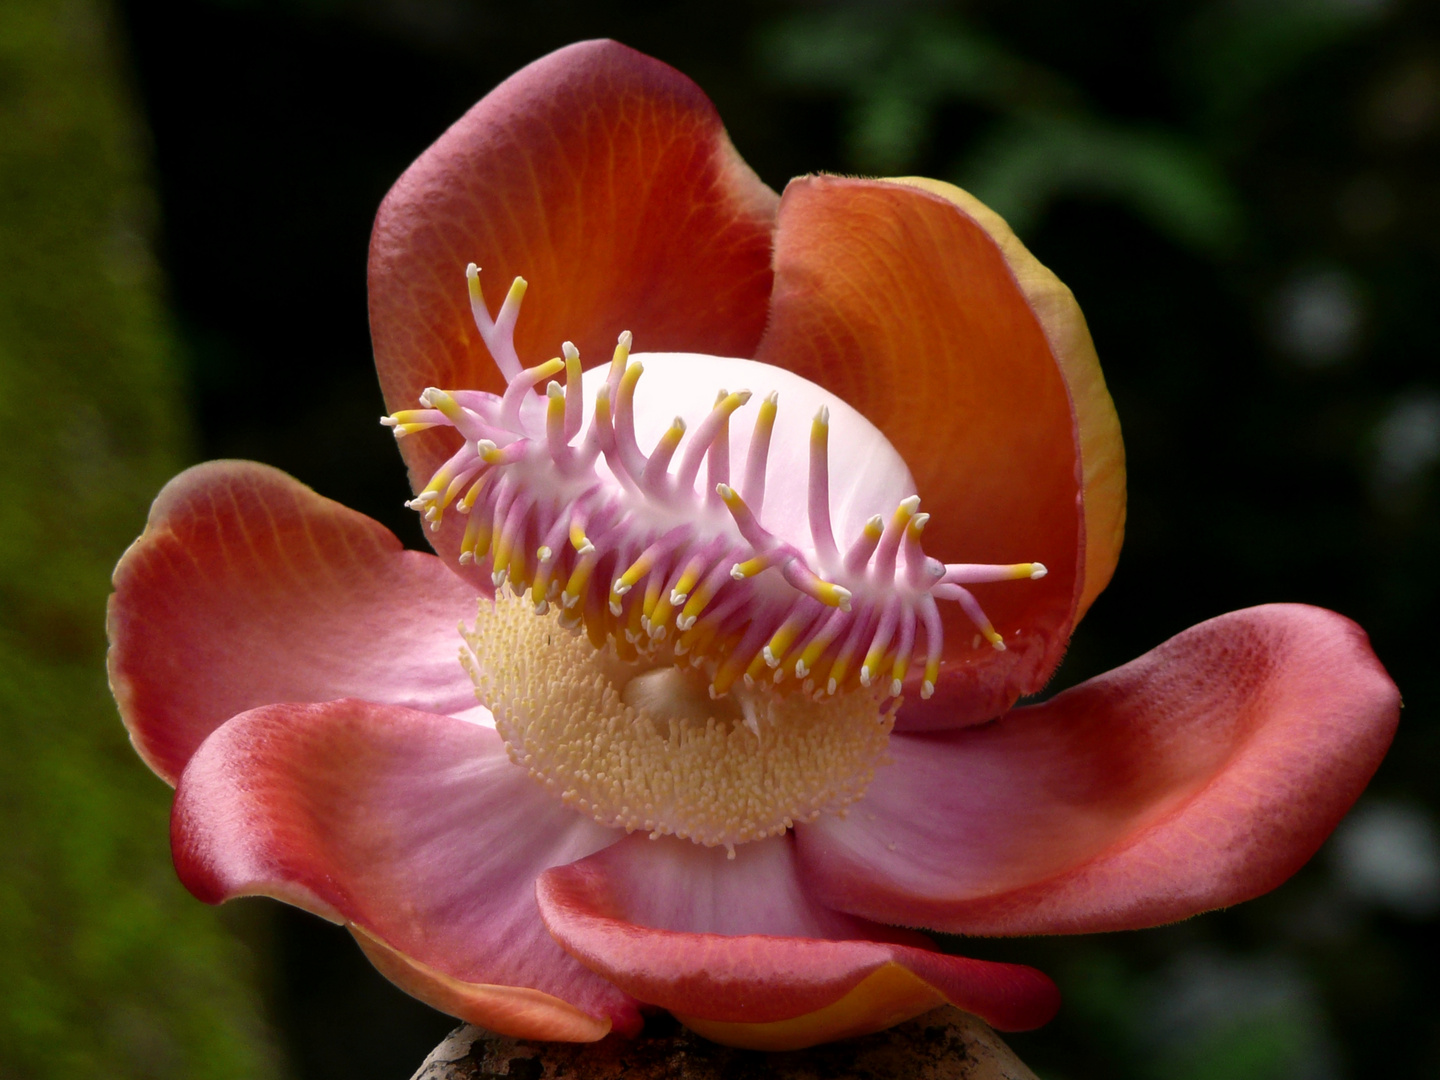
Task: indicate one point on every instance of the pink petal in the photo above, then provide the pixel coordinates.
(1204, 773)
(247, 588)
(740, 942)
(415, 829)
(902, 304)
(606, 179)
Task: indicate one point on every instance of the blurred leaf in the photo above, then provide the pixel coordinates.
(896, 66)
(1236, 50)
(1025, 165)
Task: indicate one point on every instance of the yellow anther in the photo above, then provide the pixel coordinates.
(540, 372)
(579, 578)
(905, 512)
(504, 555)
(572, 365)
(755, 669)
(729, 496)
(698, 602)
(871, 666)
(630, 378)
(932, 676)
(578, 540)
(409, 417)
(637, 570)
(765, 420)
(442, 403)
(917, 526)
(780, 642)
(874, 528)
(512, 298)
(809, 657)
(897, 673)
(475, 544)
(622, 353)
(489, 452)
(673, 434)
(993, 637)
(832, 595)
(688, 578)
(820, 428)
(750, 567)
(658, 613)
(467, 502)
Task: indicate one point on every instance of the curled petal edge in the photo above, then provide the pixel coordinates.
(1199, 775)
(767, 991)
(516, 1011)
(1102, 452)
(889, 995)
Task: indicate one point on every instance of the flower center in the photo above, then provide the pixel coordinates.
(636, 550)
(734, 640)
(644, 746)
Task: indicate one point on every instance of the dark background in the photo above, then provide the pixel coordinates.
(1243, 196)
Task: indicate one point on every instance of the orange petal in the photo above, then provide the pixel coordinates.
(902, 304)
(603, 177)
(889, 995)
(1102, 453)
(517, 1011)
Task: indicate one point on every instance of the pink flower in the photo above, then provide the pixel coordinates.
(691, 782)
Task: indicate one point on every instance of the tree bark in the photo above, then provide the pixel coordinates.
(946, 1044)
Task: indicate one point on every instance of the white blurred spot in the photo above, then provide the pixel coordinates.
(1317, 317)
(1407, 441)
(1389, 854)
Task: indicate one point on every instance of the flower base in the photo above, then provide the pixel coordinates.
(945, 1044)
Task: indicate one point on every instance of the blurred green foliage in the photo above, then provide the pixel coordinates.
(107, 967)
(899, 65)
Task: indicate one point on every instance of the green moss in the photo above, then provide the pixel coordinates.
(109, 968)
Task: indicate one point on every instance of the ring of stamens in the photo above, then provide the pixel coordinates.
(654, 570)
(640, 557)
(643, 746)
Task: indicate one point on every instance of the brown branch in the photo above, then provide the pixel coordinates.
(946, 1044)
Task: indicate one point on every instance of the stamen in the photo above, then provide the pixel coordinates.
(497, 335)
(520, 387)
(884, 565)
(820, 530)
(759, 457)
(717, 461)
(632, 461)
(658, 467)
(860, 551)
(632, 552)
(556, 440)
(574, 391)
(972, 608)
(705, 436)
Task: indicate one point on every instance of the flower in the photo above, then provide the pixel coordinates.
(734, 728)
